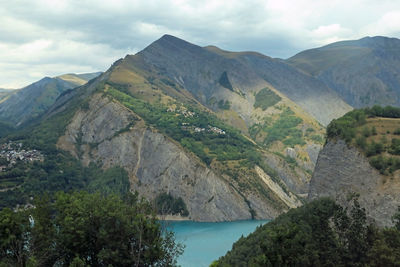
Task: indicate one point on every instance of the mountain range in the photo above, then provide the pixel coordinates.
(235, 135)
(26, 104)
(364, 72)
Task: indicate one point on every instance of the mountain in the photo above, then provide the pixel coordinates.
(227, 135)
(201, 71)
(23, 105)
(364, 72)
(4, 93)
(361, 158)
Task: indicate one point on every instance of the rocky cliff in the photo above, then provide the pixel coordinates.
(343, 171)
(106, 132)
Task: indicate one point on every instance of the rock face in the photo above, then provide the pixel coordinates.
(109, 133)
(342, 171)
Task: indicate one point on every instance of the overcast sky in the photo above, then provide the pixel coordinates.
(48, 38)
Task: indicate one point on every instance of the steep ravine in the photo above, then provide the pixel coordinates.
(342, 171)
(112, 135)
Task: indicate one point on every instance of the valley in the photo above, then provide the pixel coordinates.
(205, 134)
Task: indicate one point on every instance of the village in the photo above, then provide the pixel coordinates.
(12, 152)
(186, 126)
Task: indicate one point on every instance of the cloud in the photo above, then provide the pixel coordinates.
(48, 37)
(388, 24)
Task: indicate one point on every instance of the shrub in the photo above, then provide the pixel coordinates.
(266, 98)
(224, 104)
(167, 204)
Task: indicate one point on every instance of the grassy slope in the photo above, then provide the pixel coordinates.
(376, 132)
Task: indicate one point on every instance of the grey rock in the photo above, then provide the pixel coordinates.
(157, 164)
(342, 171)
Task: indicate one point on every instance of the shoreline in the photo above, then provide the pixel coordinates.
(172, 218)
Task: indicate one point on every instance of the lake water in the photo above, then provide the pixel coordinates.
(206, 242)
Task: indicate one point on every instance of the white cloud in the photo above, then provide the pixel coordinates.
(388, 24)
(42, 37)
(329, 33)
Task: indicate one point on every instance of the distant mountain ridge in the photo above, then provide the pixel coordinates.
(23, 105)
(363, 72)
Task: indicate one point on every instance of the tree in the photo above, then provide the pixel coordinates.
(13, 237)
(396, 218)
(82, 229)
(320, 233)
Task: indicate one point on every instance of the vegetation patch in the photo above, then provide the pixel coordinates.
(5, 129)
(224, 104)
(374, 131)
(200, 132)
(83, 229)
(283, 129)
(320, 233)
(167, 204)
(266, 98)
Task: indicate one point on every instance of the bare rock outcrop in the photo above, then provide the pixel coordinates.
(342, 171)
(110, 134)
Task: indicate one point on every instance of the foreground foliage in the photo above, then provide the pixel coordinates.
(83, 229)
(320, 233)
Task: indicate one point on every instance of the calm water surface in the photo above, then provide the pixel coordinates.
(206, 242)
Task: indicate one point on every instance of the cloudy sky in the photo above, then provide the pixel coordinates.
(52, 37)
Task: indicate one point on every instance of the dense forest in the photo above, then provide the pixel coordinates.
(83, 229)
(320, 233)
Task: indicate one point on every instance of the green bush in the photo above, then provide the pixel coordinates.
(317, 138)
(374, 149)
(395, 147)
(285, 127)
(167, 204)
(224, 104)
(266, 98)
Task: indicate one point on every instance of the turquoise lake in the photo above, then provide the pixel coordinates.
(206, 242)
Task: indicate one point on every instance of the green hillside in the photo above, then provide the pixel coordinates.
(57, 171)
(320, 233)
(29, 103)
(375, 131)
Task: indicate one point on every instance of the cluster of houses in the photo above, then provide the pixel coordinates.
(13, 152)
(186, 113)
(186, 126)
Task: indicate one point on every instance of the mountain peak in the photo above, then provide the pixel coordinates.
(373, 42)
(169, 39)
(170, 43)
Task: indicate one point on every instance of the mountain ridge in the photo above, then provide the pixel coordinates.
(363, 72)
(242, 122)
(29, 103)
